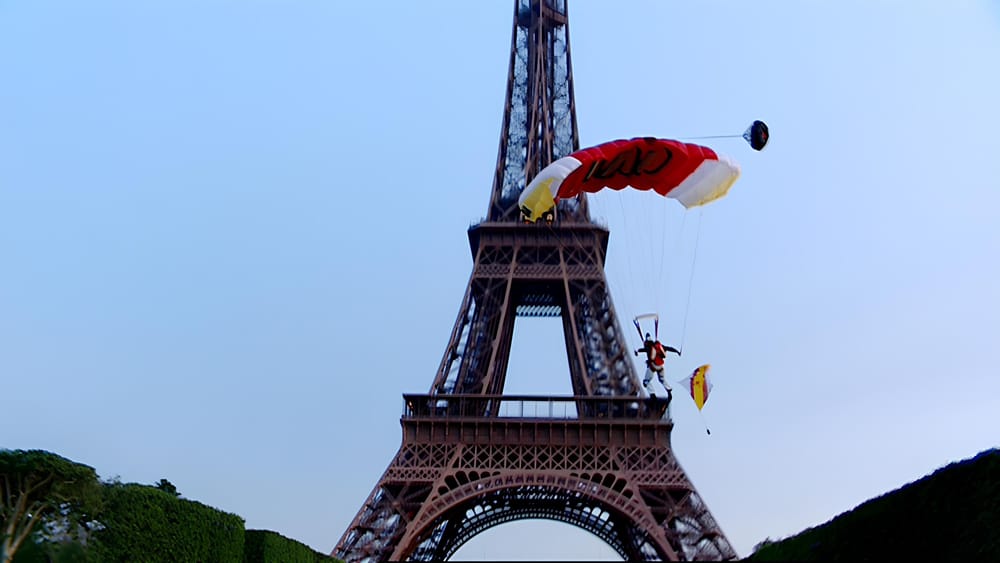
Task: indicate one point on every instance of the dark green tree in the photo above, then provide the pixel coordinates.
(39, 487)
(167, 487)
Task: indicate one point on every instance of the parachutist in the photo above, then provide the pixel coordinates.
(656, 354)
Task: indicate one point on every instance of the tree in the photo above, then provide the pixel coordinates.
(762, 544)
(38, 486)
(167, 487)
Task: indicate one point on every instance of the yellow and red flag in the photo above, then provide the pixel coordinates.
(699, 385)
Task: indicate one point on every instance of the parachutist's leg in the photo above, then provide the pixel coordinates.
(645, 382)
(663, 381)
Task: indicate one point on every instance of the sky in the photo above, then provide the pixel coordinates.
(233, 234)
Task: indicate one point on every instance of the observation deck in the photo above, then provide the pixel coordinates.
(568, 420)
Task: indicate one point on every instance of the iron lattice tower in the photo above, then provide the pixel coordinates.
(471, 457)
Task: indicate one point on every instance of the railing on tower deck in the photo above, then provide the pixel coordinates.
(535, 406)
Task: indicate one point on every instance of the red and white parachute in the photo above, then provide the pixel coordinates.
(692, 174)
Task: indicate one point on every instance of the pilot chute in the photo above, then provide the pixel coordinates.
(757, 135)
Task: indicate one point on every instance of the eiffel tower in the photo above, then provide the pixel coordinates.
(472, 457)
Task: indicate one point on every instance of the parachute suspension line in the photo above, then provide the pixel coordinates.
(600, 205)
(694, 259)
(712, 137)
(707, 431)
(663, 247)
(666, 281)
(678, 237)
(650, 216)
(610, 289)
(631, 268)
(579, 243)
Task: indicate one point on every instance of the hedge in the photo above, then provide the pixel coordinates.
(148, 525)
(264, 546)
(951, 515)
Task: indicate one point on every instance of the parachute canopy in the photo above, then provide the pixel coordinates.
(757, 135)
(699, 385)
(692, 174)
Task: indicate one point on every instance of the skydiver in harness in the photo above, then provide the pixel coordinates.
(656, 353)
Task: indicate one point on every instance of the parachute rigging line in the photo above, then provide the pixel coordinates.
(693, 175)
(711, 137)
(631, 268)
(579, 242)
(694, 259)
(656, 324)
(663, 246)
(757, 135)
(707, 431)
(632, 282)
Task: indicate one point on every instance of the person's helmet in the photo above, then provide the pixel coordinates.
(648, 338)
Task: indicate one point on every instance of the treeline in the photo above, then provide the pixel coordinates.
(56, 510)
(951, 515)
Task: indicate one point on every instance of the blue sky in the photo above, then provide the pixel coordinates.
(233, 234)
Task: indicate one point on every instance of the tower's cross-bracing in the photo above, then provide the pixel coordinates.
(471, 457)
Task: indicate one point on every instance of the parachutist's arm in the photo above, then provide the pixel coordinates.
(672, 349)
